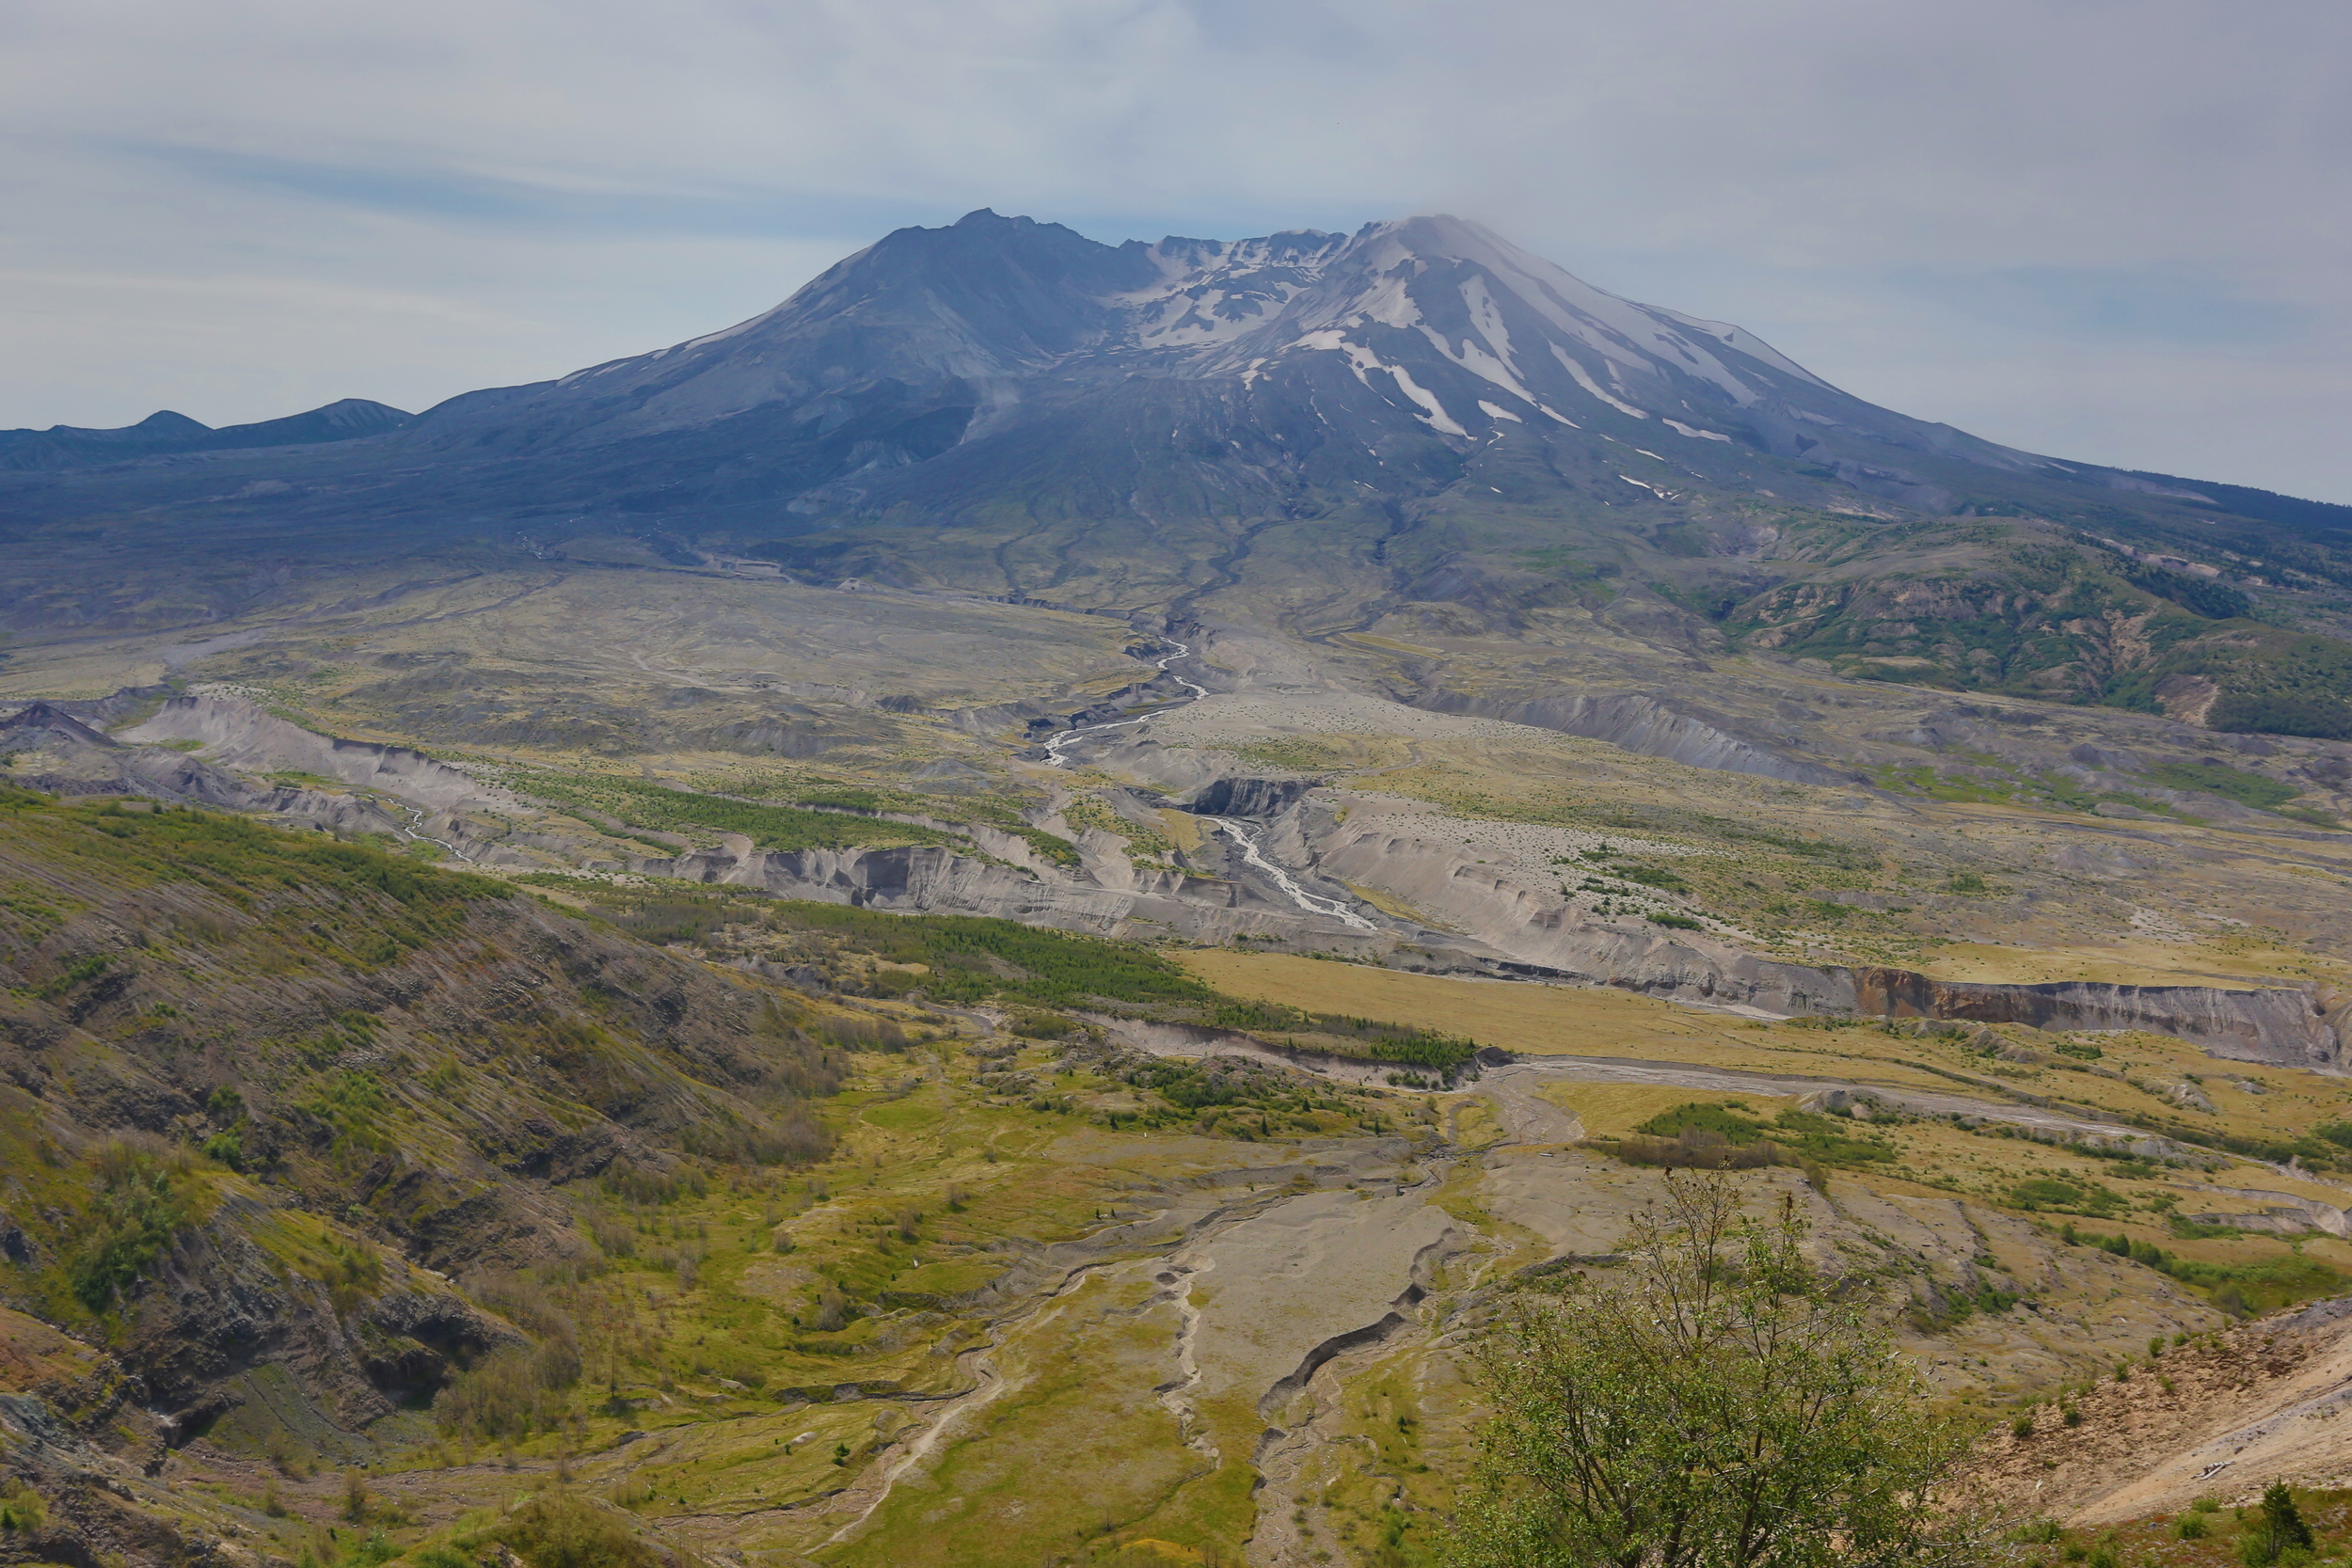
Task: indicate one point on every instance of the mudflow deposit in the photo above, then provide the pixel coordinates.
(981, 920)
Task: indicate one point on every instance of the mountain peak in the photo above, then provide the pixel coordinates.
(1451, 326)
(164, 421)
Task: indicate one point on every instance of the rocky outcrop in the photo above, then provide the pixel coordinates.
(226, 1327)
(1250, 796)
(2267, 1025)
(2284, 1213)
(44, 726)
(241, 736)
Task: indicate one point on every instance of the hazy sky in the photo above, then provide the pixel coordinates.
(2112, 229)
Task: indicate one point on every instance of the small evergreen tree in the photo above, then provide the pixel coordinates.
(2277, 1528)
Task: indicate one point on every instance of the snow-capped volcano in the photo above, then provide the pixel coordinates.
(993, 298)
(1000, 361)
(1313, 427)
(932, 340)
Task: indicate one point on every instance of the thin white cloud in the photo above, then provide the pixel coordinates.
(593, 177)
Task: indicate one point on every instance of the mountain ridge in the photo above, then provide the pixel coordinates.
(166, 433)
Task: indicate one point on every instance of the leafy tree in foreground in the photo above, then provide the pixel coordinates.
(1711, 1408)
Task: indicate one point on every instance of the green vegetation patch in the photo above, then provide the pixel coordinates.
(2239, 1287)
(1000, 813)
(2230, 784)
(144, 1199)
(971, 958)
(1710, 1135)
(2065, 1195)
(1346, 1036)
(965, 958)
(364, 906)
(1233, 1098)
(351, 1107)
(641, 804)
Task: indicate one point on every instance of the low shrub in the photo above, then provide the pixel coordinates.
(1697, 1148)
(22, 1508)
(512, 1393)
(559, 1531)
(140, 1206)
(865, 1033)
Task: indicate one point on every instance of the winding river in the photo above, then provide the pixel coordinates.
(1194, 692)
(1243, 837)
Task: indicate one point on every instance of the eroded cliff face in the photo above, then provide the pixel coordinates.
(2287, 1025)
(1525, 921)
(65, 751)
(231, 1334)
(1481, 918)
(238, 735)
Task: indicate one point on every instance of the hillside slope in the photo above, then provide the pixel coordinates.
(259, 1086)
(743, 1269)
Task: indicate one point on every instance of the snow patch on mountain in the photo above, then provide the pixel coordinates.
(1596, 318)
(1584, 379)
(1474, 359)
(1746, 342)
(1692, 430)
(1362, 361)
(1437, 416)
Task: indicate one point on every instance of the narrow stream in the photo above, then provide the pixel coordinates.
(416, 821)
(1246, 838)
(1194, 690)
